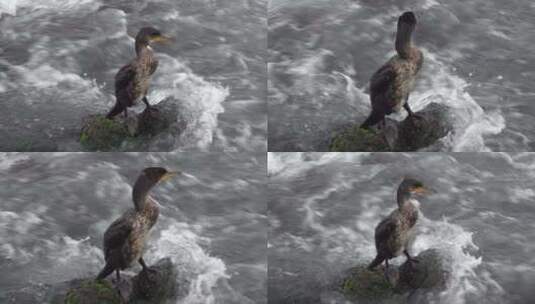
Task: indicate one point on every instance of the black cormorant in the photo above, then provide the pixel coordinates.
(132, 81)
(392, 235)
(125, 238)
(391, 84)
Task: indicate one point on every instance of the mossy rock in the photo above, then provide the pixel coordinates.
(417, 132)
(100, 133)
(136, 132)
(92, 291)
(367, 284)
(357, 139)
(418, 281)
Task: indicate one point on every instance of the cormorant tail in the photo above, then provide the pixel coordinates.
(373, 119)
(377, 261)
(108, 269)
(115, 111)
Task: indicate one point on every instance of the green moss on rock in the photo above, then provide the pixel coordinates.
(100, 133)
(366, 284)
(357, 139)
(91, 291)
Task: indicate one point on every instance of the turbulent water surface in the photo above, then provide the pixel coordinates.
(58, 59)
(54, 209)
(324, 207)
(478, 60)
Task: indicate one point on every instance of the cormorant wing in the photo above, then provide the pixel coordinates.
(118, 232)
(382, 80)
(385, 230)
(125, 77)
(153, 66)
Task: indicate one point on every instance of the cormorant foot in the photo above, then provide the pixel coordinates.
(149, 270)
(412, 261)
(417, 116)
(151, 108)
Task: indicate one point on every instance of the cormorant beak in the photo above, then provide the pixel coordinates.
(162, 39)
(169, 174)
(420, 190)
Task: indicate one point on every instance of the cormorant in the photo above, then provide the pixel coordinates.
(391, 84)
(392, 235)
(125, 238)
(132, 81)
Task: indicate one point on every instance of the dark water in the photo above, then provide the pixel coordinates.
(323, 209)
(58, 59)
(478, 60)
(54, 209)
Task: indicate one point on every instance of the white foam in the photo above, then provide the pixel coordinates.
(8, 7)
(61, 5)
(289, 164)
(201, 100)
(70, 258)
(429, 4)
(9, 159)
(183, 245)
(458, 247)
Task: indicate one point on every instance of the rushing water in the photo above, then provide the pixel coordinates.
(54, 209)
(58, 59)
(478, 60)
(323, 209)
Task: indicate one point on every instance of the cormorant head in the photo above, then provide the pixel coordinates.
(412, 186)
(407, 18)
(148, 178)
(148, 35)
(157, 174)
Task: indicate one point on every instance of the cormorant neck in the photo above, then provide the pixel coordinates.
(141, 190)
(403, 198)
(140, 46)
(403, 39)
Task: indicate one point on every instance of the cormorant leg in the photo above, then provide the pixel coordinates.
(408, 108)
(411, 113)
(386, 271)
(118, 284)
(146, 102)
(142, 262)
(409, 258)
(145, 267)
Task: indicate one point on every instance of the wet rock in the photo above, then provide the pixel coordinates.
(132, 133)
(414, 133)
(159, 285)
(429, 273)
(418, 281)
